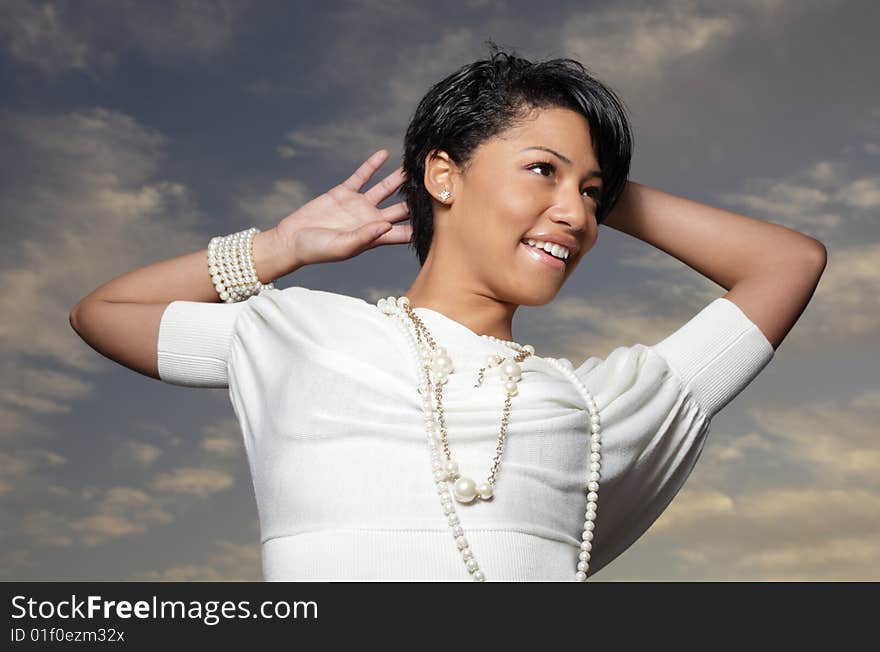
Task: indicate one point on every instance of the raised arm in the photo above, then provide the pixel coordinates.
(770, 271)
(121, 318)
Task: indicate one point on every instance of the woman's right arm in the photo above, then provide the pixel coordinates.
(121, 318)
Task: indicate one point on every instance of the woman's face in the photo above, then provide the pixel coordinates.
(512, 191)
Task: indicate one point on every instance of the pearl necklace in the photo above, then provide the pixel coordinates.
(435, 365)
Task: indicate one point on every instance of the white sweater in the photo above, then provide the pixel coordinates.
(324, 389)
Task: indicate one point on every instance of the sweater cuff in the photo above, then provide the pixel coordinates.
(716, 354)
(194, 340)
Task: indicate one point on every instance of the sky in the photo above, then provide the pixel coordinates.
(133, 132)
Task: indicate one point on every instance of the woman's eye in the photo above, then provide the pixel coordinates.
(548, 166)
(595, 190)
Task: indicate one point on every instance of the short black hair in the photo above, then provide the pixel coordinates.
(489, 96)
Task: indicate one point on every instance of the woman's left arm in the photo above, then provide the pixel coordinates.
(770, 271)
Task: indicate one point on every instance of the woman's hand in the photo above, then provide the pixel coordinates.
(343, 223)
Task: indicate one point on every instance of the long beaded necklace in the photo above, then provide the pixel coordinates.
(434, 367)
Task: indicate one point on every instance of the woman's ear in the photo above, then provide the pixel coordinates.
(440, 173)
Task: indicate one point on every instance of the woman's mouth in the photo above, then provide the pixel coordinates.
(541, 256)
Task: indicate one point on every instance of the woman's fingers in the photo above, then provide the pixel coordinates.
(399, 234)
(386, 187)
(395, 212)
(360, 177)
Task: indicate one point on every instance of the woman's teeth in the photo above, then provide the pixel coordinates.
(553, 249)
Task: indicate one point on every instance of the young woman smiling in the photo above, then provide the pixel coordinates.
(374, 431)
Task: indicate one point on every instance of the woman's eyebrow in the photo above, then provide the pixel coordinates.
(590, 174)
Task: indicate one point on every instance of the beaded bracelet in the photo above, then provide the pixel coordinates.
(231, 263)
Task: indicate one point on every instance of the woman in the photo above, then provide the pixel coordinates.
(413, 438)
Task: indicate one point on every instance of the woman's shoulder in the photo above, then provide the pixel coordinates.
(320, 316)
(298, 295)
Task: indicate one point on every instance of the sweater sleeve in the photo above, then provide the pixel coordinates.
(716, 354)
(656, 404)
(194, 341)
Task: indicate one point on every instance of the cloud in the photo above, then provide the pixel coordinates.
(229, 562)
(48, 392)
(21, 472)
(121, 512)
(655, 37)
(95, 193)
(56, 37)
(835, 442)
(117, 512)
(47, 528)
(384, 104)
(135, 453)
(695, 508)
(223, 439)
(194, 481)
(800, 502)
(269, 207)
(834, 552)
(820, 199)
(15, 561)
(111, 513)
(779, 533)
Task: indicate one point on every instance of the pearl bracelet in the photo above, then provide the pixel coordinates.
(231, 263)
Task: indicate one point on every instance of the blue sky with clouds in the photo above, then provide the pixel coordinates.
(134, 131)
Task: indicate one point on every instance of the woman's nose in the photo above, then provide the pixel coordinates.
(572, 208)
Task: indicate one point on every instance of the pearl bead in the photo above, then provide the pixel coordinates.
(464, 490)
(485, 491)
(512, 369)
(451, 467)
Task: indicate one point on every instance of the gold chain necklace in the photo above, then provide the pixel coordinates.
(437, 369)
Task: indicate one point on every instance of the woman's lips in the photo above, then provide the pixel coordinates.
(541, 256)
